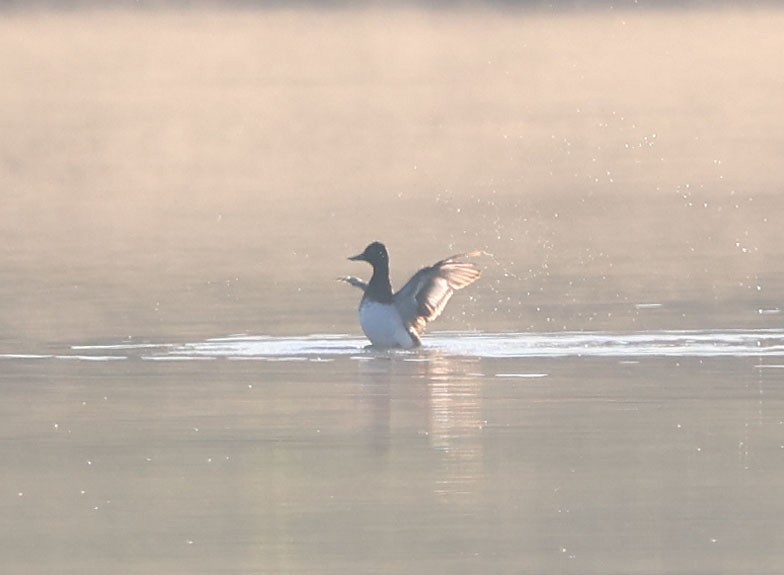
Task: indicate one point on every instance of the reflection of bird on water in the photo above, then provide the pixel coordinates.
(397, 320)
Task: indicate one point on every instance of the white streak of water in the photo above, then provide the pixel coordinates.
(686, 343)
(626, 347)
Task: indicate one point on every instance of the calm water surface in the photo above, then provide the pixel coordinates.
(185, 387)
(363, 461)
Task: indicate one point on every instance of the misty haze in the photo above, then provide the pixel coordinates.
(186, 386)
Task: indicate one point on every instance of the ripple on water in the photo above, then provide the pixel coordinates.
(326, 347)
(688, 343)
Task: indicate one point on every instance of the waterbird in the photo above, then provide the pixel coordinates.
(399, 319)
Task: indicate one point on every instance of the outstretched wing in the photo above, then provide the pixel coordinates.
(356, 282)
(426, 294)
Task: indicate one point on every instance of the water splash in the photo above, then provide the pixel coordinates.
(687, 343)
(327, 347)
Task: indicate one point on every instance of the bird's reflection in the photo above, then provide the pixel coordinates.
(455, 418)
(443, 396)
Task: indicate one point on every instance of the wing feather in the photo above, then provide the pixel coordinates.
(426, 294)
(356, 282)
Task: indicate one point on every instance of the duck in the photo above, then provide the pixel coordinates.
(398, 320)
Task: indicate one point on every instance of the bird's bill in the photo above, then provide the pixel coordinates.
(358, 258)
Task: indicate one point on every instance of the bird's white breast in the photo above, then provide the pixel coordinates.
(383, 326)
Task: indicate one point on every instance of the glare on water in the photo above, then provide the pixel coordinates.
(185, 386)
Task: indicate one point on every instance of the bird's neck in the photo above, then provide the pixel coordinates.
(379, 286)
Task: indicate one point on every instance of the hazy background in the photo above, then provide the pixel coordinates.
(206, 171)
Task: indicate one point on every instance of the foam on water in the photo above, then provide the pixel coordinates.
(692, 343)
(686, 343)
(325, 347)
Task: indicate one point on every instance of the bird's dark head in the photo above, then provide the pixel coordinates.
(375, 254)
